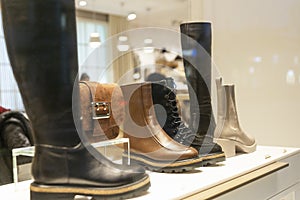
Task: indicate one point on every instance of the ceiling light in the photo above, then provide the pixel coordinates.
(82, 3)
(123, 38)
(95, 40)
(290, 77)
(251, 70)
(148, 41)
(131, 16)
(123, 47)
(148, 49)
(257, 59)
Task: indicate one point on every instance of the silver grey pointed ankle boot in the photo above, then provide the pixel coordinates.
(228, 133)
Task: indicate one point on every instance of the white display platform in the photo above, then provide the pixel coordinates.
(183, 185)
(179, 186)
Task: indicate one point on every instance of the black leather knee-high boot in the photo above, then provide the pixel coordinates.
(196, 48)
(41, 43)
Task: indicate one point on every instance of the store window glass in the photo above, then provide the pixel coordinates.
(86, 27)
(92, 30)
(9, 92)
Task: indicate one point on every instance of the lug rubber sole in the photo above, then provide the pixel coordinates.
(60, 192)
(165, 167)
(213, 159)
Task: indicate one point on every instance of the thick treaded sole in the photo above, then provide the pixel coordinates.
(68, 192)
(175, 166)
(212, 159)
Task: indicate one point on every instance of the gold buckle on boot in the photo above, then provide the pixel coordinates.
(101, 110)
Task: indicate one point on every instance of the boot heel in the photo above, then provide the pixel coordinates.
(227, 146)
(51, 196)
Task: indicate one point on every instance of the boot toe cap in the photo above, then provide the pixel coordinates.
(190, 152)
(210, 148)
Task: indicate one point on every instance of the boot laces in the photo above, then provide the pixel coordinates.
(182, 133)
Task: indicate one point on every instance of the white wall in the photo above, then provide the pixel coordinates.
(257, 47)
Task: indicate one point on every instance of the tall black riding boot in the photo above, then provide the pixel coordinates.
(196, 49)
(41, 43)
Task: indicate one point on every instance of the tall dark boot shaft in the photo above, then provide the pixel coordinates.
(196, 50)
(196, 46)
(41, 42)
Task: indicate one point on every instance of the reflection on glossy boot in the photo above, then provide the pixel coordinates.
(41, 43)
(229, 133)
